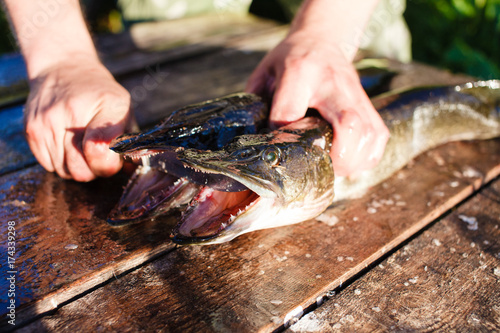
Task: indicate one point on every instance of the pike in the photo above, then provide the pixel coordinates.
(266, 180)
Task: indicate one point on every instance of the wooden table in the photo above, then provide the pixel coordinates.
(420, 251)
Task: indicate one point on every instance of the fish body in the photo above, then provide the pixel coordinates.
(286, 176)
(423, 118)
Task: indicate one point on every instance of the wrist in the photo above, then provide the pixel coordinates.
(336, 23)
(43, 58)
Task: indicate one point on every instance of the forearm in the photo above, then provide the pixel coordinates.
(337, 22)
(49, 31)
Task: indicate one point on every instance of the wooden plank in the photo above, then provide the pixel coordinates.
(63, 245)
(259, 280)
(447, 279)
(14, 150)
(150, 43)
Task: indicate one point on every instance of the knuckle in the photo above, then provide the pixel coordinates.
(32, 133)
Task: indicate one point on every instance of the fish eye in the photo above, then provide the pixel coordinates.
(272, 156)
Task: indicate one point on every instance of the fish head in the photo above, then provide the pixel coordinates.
(287, 178)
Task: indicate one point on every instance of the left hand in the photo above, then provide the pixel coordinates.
(306, 72)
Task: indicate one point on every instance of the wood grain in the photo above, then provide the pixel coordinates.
(447, 279)
(64, 247)
(255, 282)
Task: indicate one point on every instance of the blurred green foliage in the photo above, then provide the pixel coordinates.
(461, 35)
(7, 41)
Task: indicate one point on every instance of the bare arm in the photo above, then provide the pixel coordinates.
(312, 67)
(75, 107)
(48, 31)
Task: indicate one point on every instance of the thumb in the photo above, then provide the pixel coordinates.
(99, 133)
(290, 102)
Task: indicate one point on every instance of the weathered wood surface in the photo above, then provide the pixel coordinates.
(447, 279)
(254, 282)
(147, 44)
(64, 247)
(14, 150)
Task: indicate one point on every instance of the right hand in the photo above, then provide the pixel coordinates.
(74, 109)
(305, 71)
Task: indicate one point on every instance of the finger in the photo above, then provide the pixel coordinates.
(347, 135)
(290, 100)
(35, 136)
(257, 80)
(74, 159)
(101, 130)
(55, 145)
(38, 148)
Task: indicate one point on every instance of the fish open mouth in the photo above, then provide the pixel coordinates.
(215, 195)
(210, 213)
(150, 193)
(213, 213)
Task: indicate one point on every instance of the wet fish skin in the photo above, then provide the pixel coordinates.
(418, 120)
(423, 118)
(206, 125)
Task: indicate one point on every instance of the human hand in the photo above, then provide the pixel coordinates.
(303, 72)
(74, 110)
